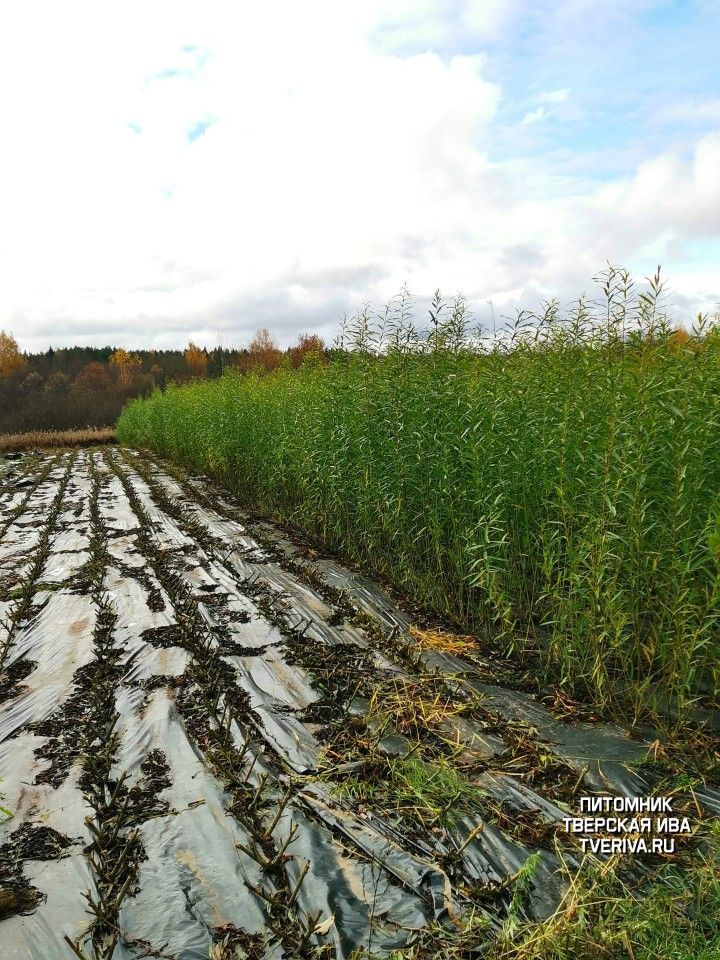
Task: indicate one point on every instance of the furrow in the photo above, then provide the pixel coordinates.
(21, 489)
(488, 858)
(212, 706)
(26, 589)
(43, 839)
(352, 892)
(119, 804)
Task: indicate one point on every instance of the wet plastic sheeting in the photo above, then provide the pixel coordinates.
(141, 659)
(275, 691)
(374, 878)
(61, 883)
(601, 751)
(367, 905)
(508, 790)
(58, 641)
(272, 686)
(166, 527)
(491, 857)
(23, 533)
(114, 507)
(40, 936)
(194, 877)
(273, 679)
(709, 800)
(290, 739)
(374, 838)
(55, 640)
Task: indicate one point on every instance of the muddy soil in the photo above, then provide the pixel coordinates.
(207, 733)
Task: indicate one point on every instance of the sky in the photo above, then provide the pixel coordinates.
(173, 171)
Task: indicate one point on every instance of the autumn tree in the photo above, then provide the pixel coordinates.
(681, 340)
(56, 384)
(309, 347)
(158, 375)
(196, 360)
(11, 360)
(92, 381)
(263, 351)
(126, 366)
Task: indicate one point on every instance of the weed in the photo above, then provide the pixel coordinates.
(676, 914)
(422, 791)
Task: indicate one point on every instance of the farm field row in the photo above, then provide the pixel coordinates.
(561, 498)
(213, 740)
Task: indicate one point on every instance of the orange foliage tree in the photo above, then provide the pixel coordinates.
(11, 360)
(264, 351)
(126, 366)
(196, 360)
(93, 380)
(309, 345)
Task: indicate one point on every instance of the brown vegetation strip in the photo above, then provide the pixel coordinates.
(56, 438)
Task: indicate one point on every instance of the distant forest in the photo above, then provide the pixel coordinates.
(75, 387)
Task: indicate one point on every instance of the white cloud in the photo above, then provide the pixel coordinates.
(690, 111)
(534, 115)
(417, 24)
(329, 172)
(488, 18)
(676, 191)
(555, 96)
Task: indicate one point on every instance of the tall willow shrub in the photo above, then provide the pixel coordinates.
(557, 487)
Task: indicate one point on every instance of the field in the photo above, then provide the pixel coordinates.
(218, 743)
(556, 490)
(56, 438)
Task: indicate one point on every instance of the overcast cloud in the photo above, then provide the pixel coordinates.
(181, 170)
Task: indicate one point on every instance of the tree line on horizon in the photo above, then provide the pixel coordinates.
(73, 387)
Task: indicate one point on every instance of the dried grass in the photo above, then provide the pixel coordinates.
(416, 706)
(458, 645)
(56, 438)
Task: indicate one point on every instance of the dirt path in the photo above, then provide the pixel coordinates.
(204, 731)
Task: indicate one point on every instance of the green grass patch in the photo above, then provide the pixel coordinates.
(675, 916)
(412, 787)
